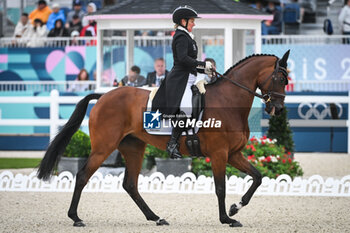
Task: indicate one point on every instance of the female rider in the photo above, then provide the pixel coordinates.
(177, 85)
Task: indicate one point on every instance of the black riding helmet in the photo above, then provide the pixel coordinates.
(184, 12)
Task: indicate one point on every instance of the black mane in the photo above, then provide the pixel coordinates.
(246, 58)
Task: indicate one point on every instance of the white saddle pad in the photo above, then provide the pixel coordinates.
(153, 124)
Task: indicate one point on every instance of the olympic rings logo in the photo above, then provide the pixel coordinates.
(319, 110)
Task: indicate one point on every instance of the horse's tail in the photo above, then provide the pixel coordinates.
(60, 142)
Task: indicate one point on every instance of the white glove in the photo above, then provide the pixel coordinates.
(208, 68)
(200, 84)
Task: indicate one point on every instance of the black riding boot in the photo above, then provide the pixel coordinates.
(173, 145)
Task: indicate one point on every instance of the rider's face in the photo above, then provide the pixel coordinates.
(190, 24)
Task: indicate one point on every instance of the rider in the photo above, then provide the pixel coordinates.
(177, 85)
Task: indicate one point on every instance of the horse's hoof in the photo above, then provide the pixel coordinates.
(162, 222)
(236, 224)
(233, 210)
(79, 224)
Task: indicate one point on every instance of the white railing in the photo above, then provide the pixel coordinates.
(54, 100)
(283, 185)
(142, 41)
(73, 86)
(306, 39)
(42, 86)
(322, 85)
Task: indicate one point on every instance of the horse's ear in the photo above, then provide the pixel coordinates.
(283, 61)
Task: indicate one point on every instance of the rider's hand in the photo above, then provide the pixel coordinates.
(209, 68)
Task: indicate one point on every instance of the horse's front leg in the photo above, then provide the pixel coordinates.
(219, 172)
(238, 161)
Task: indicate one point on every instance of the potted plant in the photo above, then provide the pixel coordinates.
(76, 153)
(164, 164)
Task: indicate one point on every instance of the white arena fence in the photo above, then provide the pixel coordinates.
(187, 183)
(46, 86)
(55, 100)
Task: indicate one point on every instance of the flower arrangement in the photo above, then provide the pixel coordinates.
(264, 154)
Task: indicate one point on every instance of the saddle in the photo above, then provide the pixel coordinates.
(198, 104)
(192, 140)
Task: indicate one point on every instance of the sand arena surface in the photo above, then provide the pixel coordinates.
(111, 212)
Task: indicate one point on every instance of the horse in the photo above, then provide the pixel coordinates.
(116, 123)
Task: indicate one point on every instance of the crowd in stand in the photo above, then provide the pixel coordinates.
(45, 22)
(287, 11)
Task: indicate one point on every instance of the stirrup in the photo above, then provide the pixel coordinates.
(173, 151)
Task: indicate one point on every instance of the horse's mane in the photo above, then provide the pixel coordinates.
(246, 58)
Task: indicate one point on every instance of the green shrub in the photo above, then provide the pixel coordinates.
(79, 145)
(279, 129)
(154, 152)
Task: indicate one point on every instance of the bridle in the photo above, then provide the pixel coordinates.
(267, 96)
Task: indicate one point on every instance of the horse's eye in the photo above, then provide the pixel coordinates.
(284, 80)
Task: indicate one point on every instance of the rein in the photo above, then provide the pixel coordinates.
(265, 97)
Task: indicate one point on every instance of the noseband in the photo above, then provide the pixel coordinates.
(267, 96)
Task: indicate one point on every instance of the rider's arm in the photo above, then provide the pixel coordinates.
(181, 46)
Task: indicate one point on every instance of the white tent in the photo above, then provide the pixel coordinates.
(232, 22)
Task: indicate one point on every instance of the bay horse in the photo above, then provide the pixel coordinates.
(116, 123)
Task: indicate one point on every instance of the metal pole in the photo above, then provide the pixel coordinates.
(4, 17)
(54, 114)
(348, 122)
(21, 6)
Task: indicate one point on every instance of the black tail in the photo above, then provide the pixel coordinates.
(60, 142)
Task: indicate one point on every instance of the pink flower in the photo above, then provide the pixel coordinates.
(289, 153)
(207, 159)
(253, 148)
(283, 161)
(268, 159)
(247, 146)
(262, 142)
(289, 160)
(264, 137)
(251, 157)
(252, 139)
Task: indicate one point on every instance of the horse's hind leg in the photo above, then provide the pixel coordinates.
(96, 158)
(238, 161)
(132, 149)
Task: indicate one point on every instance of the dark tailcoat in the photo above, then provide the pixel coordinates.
(169, 95)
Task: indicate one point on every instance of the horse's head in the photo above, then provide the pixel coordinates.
(273, 87)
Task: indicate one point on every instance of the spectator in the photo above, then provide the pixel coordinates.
(273, 27)
(22, 26)
(74, 41)
(89, 30)
(56, 14)
(258, 5)
(134, 78)
(76, 11)
(155, 78)
(36, 33)
(90, 9)
(344, 21)
(75, 24)
(42, 12)
(82, 76)
(59, 30)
